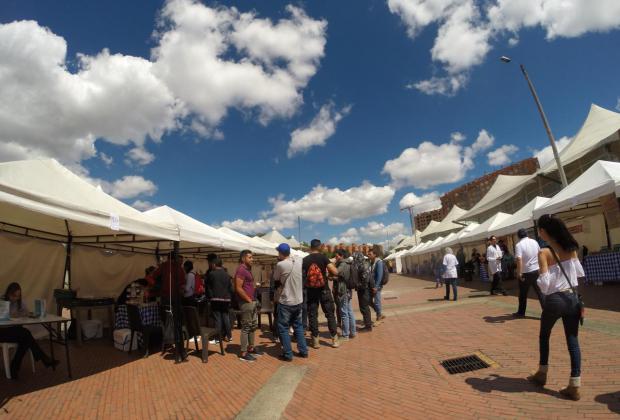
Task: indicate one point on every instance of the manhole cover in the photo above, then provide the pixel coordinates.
(464, 364)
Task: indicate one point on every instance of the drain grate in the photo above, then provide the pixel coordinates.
(464, 364)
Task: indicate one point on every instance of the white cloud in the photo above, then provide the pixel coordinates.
(483, 142)
(322, 127)
(457, 137)
(351, 235)
(545, 155)
(143, 205)
(321, 204)
(502, 155)
(275, 60)
(130, 186)
(421, 203)
(140, 155)
(107, 160)
(380, 230)
(468, 28)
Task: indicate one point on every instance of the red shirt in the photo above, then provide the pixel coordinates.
(163, 273)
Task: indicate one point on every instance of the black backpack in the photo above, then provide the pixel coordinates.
(386, 274)
(360, 272)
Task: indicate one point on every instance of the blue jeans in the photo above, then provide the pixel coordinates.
(376, 301)
(454, 283)
(347, 315)
(561, 305)
(291, 316)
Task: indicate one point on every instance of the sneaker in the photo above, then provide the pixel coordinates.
(315, 343)
(382, 317)
(214, 341)
(228, 339)
(284, 358)
(518, 315)
(302, 355)
(365, 329)
(247, 358)
(335, 342)
(352, 336)
(344, 338)
(256, 352)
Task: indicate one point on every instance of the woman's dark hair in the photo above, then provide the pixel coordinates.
(9, 291)
(557, 230)
(188, 266)
(343, 253)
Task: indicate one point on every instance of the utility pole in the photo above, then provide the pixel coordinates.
(299, 232)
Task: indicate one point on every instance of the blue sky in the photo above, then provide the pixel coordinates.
(179, 137)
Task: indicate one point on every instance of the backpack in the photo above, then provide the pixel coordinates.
(314, 277)
(199, 285)
(386, 275)
(360, 272)
(347, 276)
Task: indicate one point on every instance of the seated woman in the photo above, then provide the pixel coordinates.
(20, 335)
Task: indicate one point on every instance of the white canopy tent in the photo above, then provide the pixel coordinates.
(429, 229)
(293, 243)
(481, 231)
(600, 127)
(254, 244)
(504, 188)
(460, 234)
(441, 244)
(523, 218)
(429, 248)
(409, 241)
(447, 224)
(600, 179)
(275, 237)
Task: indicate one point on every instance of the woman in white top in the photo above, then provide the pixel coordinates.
(559, 264)
(449, 272)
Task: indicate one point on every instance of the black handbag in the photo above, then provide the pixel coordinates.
(580, 304)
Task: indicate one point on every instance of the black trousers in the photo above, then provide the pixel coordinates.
(496, 285)
(529, 280)
(221, 314)
(325, 299)
(24, 340)
(364, 299)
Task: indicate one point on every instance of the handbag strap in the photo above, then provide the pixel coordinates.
(555, 256)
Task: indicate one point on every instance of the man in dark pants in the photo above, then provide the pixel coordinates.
(527, 270)
(315, 265)
(360, 267)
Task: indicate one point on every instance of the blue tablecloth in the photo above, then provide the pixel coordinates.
(148, 312)
(603, 267)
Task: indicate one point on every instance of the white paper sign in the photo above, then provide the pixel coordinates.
(115, 222)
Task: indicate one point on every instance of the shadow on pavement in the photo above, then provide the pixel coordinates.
(503, 318)
(505, 384)
(612, 400)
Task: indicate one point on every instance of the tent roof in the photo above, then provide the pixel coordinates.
(447, 224)
(255, 245)
(420, 248)
(504, 188)
(463, 232)
(523, 218)
(293, 243)
(481, 231)
(599, 125)
(275, 237)
(429, 247)
(194, 231)
(442, 243)
(41, 194)
(409, 241)
(429, 229)
(601, 178)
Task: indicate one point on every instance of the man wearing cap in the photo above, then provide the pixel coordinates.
(527, 270)
(290, 298)
(320, 295)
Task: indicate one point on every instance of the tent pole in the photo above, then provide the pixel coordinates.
(607, 232)
(67, 272)
(176, 306)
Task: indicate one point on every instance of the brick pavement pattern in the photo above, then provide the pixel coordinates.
(393, 372)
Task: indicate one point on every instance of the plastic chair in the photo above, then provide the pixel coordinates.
(135, 325)
(6, 355)
(266, 307)
(195, 330)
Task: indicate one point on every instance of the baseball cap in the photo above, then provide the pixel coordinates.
(284, 249)
(522, 233)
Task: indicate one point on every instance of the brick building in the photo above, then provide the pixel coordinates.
(467, 195)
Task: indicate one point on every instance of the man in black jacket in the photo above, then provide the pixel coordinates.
(219, 290)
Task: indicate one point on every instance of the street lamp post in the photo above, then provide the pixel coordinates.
(554, 148)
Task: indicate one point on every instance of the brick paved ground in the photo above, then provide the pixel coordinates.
(393, 372)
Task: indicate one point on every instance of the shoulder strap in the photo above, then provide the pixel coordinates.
(555, 256)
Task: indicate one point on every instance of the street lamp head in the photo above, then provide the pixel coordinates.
(505, 59)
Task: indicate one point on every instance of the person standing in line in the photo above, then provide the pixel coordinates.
(219, 290)
(316, 267)
(450, 275)
(244, 288)
(559, 270)
(360, 271)
(527, 270)
(376, 278)
(345, 294)
(190, 284)
(494, 257)
(288, 273)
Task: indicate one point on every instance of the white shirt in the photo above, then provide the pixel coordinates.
(450, 262)
(494, 256)
(190, 284)
(527, 250)
(554, 281)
